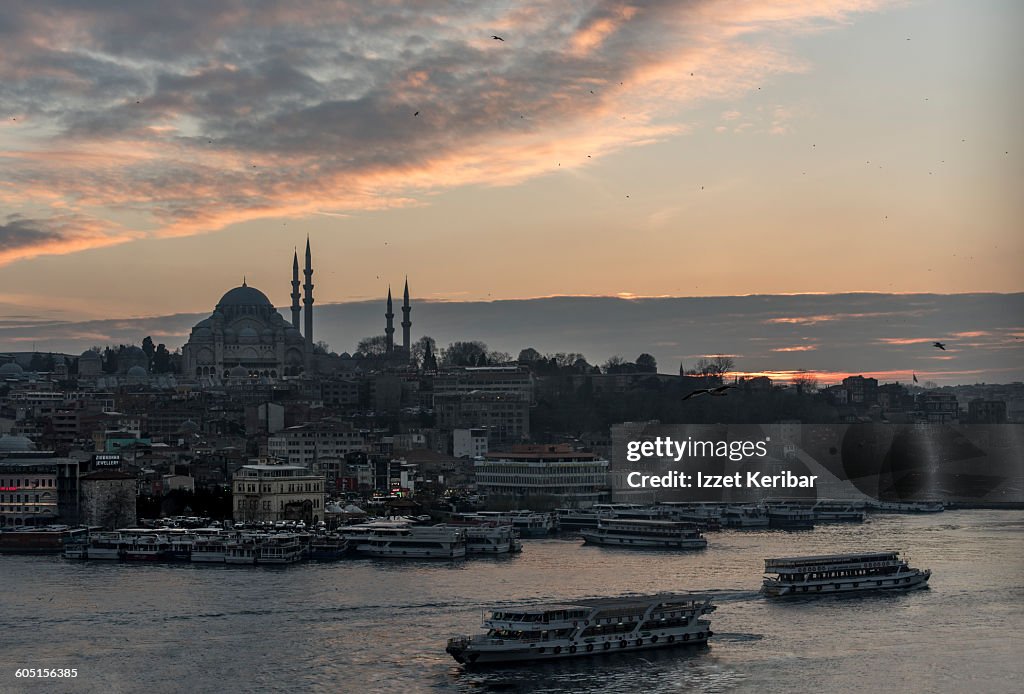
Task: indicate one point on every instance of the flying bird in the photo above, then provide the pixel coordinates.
(416, 114)
(497, 38)
(940, 345)
(715, 392)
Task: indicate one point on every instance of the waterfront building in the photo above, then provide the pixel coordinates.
(37, 488)
(271, 492)
(571, 477)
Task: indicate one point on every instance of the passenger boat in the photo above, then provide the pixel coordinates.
(908, 507)
(108, 546)
(415, 542)
(745, 517)
(837, 512)
(241, 551)
(631, 532)
(209, 550)
(576, 518)
(147, 548)
(491, 539)
(528, 523)
(327, 547)
(585, 627)
(278, 549)
(841, 573)
(790, 518)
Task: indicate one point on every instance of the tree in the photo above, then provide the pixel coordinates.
(645, 363)
(321, 347)
(714, 367)
(150, 349)
(161, 359)
(419, 350)
(375, 346)
(463, 353)
(499, 357)
(613, 364)
(528, 356)
(119, 509)
(806, 384)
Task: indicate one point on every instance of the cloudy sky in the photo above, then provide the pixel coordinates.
(153, 154)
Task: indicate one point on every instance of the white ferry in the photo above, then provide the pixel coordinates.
(631, 532)
(210, 550)
(908, 507)
(841, 573)
(575, 518)
(748, 516)
(488, 537)
(790, 518)
(109, 546)
(415, 542)
(241, 551)
(585, 627)
(528, 523)
(838, 512)
(279, 549)
(147, 548)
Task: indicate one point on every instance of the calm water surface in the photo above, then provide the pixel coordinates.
(375, 625)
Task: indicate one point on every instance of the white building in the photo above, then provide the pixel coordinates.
(305, 444)
(571, 477)
(469, 443)
(267, 492)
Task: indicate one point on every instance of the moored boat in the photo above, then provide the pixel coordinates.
(585, 627)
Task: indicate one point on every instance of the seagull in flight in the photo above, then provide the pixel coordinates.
(715, 392)
(497, 38)
(940, 345)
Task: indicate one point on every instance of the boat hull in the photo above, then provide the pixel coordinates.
(901, 583)
(643, 543)
(472, 657)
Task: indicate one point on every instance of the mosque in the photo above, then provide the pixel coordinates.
(245, 337)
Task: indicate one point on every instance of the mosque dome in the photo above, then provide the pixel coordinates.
(244, 296)
(137, 374)
(238, 372)
(11, 369)
(16, 443)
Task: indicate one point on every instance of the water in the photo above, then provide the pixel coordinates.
(375, 625)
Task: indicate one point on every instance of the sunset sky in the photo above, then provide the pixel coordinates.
(153, 154)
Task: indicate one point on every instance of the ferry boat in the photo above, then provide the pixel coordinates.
(241, 551)
(210, 550)
(837, 512)
(585, 627)
(576, 518)
(528, 523)
(745, 517)
(327, 547)
(108, 546)
(908, 507)
(631, 532)
(841, 573)
(790, 518)
(415, 542)
(147, 548)
(278, 549)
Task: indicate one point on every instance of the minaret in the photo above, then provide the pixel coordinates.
(406, 323)
(295, 290)
(308, 299)
(389, 330)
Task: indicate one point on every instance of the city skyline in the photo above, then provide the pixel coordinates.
(603, 149)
